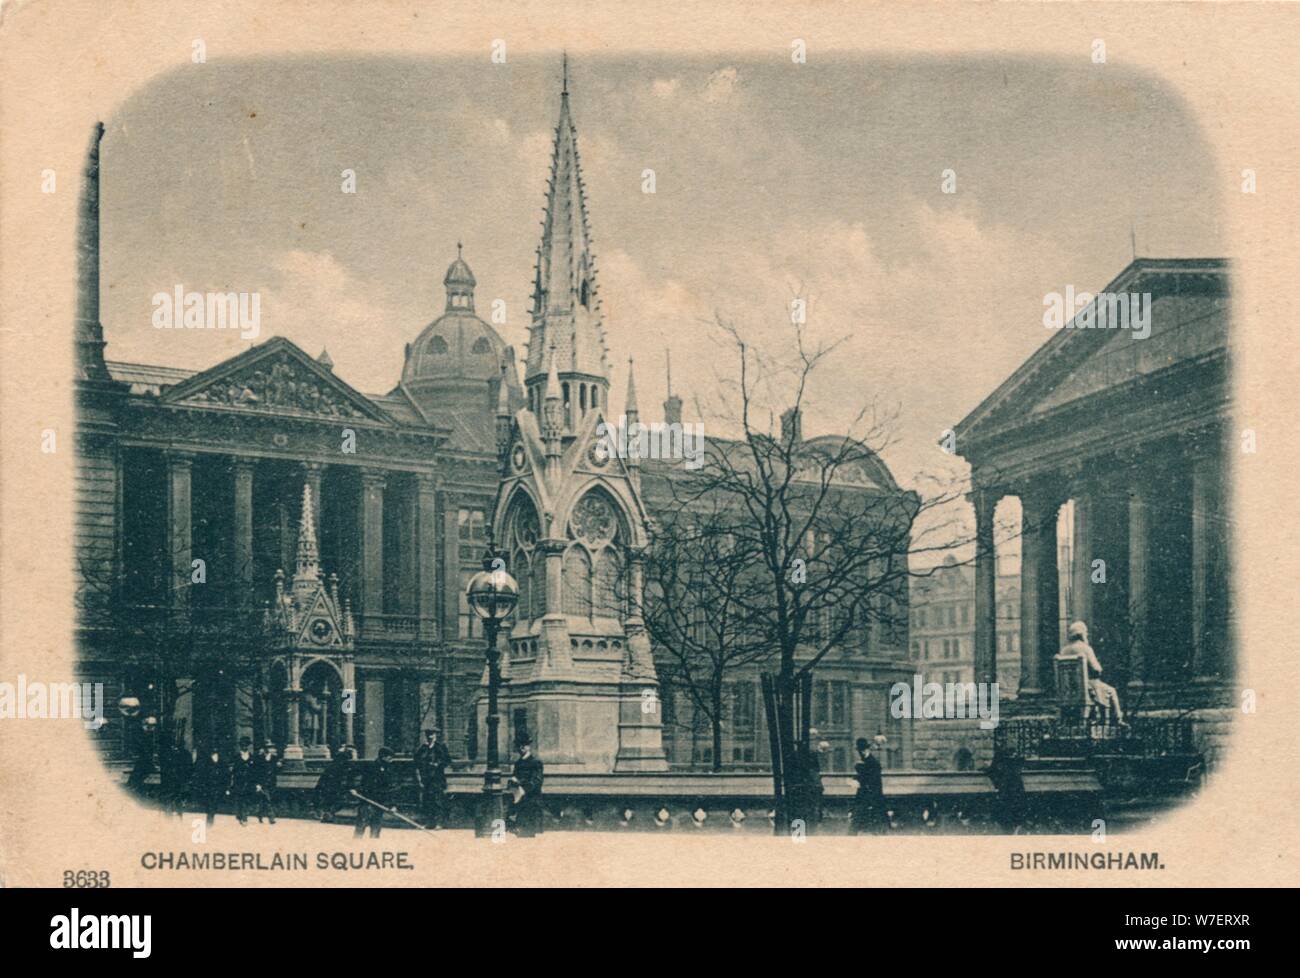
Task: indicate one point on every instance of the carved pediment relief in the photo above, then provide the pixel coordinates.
(277, 377)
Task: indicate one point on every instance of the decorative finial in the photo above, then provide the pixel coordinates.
(670, 372)
(564, 90)
(458, 247)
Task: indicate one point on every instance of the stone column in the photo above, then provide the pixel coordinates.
(408, 554)
(557, 656)
(293, 690)
(349, 704)
(243, 545)
(426, 529)
(986, 585)
(1081, 604)
(1138, 590)
(180, 467)
(1205, 654)
(371, 521)
(293, 741)
(450, 570)
(1038, 592)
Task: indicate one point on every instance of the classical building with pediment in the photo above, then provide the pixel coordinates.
(266, 551)
(1121, 443)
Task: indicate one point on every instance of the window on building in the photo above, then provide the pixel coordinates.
(965, 614)
(839, 703)
(743, 706)
(471, 531)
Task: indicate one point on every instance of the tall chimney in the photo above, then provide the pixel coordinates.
(673, 405)
(89, 331)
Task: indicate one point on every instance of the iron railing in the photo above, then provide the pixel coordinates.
(1072, 737)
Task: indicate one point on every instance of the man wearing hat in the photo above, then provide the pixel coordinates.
(869, 802)
(431, 761)
(243, 783)
(376, 786)
(266, 775)
(1103, 693)
(212, 782)
(526, 784)
(334, 782)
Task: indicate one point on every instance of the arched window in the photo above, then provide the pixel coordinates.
(481, 345)
(577, 582)
(520, 541)
(437, 345)
(582, 397)
(519, 564)
(595, 398)
(609, 585)
(597, 579)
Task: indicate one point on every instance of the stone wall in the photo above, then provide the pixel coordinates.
(937, 744)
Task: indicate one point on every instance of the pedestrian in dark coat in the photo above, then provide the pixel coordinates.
(212, 783)
(377, 785)
(176, 770)
(431, 762)
(334, 782)
(869, 802)
(526, 788)
(266, 775)
(243, 780)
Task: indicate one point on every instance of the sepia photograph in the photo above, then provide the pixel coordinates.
(532, 446)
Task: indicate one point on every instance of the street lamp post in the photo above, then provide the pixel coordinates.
(492, 594)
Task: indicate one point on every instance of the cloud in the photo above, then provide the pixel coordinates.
(317, 301)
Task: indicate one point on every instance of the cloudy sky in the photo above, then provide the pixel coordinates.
(772, 180)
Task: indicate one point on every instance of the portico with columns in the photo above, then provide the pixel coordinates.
(1118, 447)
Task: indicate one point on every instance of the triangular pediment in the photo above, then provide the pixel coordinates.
(1186, 320)
(277, 377)
(314, 635)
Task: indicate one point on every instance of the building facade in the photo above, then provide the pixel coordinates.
(942, 607)
(1136, 432)
(265, 551)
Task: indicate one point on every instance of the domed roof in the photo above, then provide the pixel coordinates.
(458, 273)
(455, 346)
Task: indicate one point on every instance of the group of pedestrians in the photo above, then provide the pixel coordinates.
(804, 790)
(248, 780)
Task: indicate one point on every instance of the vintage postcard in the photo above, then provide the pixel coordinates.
(646, 445)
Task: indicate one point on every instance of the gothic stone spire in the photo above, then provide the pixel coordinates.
(566, 311)
(308, 563)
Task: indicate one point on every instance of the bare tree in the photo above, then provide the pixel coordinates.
(701, 585)
(820, 537)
